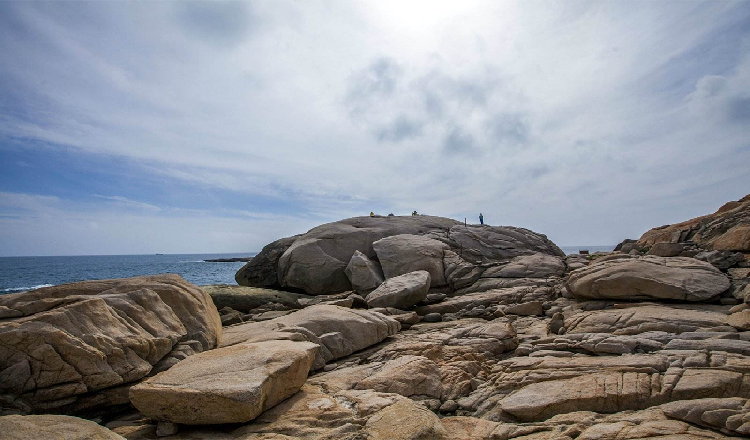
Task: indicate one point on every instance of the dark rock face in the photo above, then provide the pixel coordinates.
(261, 270)
(459, 256)
(728, 229)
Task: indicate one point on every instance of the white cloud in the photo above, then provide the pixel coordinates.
(590, 122)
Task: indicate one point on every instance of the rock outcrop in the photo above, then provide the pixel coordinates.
(462, 258)
(74, 346)
(728, 229)
(649, 277)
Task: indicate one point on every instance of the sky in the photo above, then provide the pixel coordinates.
(192, 127)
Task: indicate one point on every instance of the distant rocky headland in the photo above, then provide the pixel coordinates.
(413, 327)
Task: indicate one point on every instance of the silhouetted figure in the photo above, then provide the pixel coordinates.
(481, 219)
(372, 214)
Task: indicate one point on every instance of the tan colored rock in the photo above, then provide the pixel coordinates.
(650, 277)
(405, 421)
(53, 427)
(726, 229)
(337, 330)
(407, 376)
(75, 340)
(727, 415)
(227, 385)
(640, 319)
(739, 320)
(401, 292)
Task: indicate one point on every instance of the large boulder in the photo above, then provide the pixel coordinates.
(67, 345)
(316, 262)
(53, 427)
(649, 277)
(364, 274)
(401, 292)
(728, 229)
(404, 253)
(227, 385)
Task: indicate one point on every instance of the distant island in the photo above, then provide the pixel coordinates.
(230, 260)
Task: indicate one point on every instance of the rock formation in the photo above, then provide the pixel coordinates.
(423, 328)
(81, 345)
(728, 229)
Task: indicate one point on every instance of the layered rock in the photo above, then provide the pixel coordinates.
(727, 229)
(67, 347)
(649, 277)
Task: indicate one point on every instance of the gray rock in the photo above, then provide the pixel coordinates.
(433, 317)
(364, 274)
(404, 253)
(317, 260)
(532, 308)
(262, 271)
(721, 259)
(401, 292)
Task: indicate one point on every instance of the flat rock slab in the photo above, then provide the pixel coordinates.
(401, 292)
(245, 299)
(227, 385)
(53, 427)
(646, 318)
(338, 331)
(650, 277)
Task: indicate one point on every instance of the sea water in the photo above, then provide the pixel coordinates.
(24, 273)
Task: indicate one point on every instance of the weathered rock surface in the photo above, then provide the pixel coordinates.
(405, 253)
(676, 278)
(53, 427)
(401, 292)
(364, 274)
(337, 330)
(68, 347)
(727, 229)
(228, 385)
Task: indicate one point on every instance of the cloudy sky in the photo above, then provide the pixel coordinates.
(177, 127)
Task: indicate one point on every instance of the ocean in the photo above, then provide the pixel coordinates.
(24, 273)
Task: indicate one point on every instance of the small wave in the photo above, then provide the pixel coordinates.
(192, 261)
(23, 289)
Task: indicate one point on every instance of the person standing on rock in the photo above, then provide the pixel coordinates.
(481, 219)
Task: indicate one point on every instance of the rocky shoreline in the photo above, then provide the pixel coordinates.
(400, 328)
